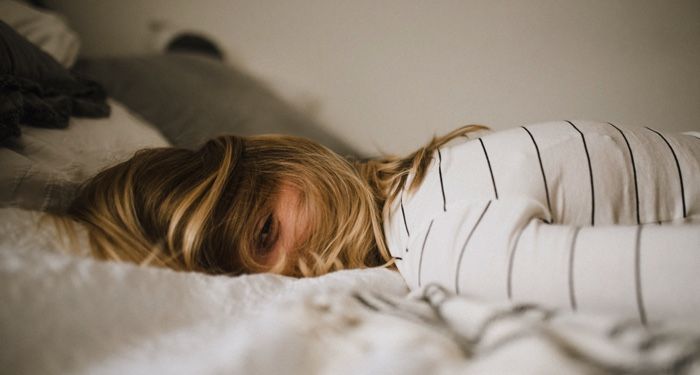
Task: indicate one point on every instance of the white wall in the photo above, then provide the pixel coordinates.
(389, 74)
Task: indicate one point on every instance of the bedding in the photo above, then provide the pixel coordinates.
(36, 90)
(42, 169)
(581, 215)
(64, 313)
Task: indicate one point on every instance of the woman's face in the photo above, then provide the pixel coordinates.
(285, 228)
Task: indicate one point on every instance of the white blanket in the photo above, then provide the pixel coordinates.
(66, 314)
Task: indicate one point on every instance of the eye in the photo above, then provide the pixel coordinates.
(267, 235)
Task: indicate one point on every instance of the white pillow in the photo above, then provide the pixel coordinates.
(46, 30)
(43, 167)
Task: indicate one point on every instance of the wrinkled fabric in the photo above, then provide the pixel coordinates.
(36, 90)
(64, 314)
(42, 169)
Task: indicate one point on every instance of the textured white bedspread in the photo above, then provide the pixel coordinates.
(65, 314)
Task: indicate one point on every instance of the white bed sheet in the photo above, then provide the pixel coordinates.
(66, 314)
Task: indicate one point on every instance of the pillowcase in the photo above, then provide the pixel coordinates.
(192, 98)
(43, 169)
(45, 29)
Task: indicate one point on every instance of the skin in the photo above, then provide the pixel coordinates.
(289, 224)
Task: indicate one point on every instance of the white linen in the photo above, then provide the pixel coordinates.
(41, 169)
(64, 314)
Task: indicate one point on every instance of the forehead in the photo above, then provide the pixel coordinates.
(292, 202)
(292, 214)
(288, 197)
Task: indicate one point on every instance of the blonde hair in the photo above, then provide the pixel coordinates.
(201, 210)
(387, 176)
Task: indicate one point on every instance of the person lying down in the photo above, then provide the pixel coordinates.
(576, 215)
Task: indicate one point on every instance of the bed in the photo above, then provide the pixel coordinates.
(64, 312)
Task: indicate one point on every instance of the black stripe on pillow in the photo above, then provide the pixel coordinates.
(488, 162)
(511, 260)
(634, 171)
(572, 254)
(544, 177)
(678, 166)
(638, 276)
(403, 214)
(464, 247)
(442, 185)
(422, 250)
(590, 171)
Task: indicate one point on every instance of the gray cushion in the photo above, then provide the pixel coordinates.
(191, 98)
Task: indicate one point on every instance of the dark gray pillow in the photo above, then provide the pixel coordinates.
(191, 98)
